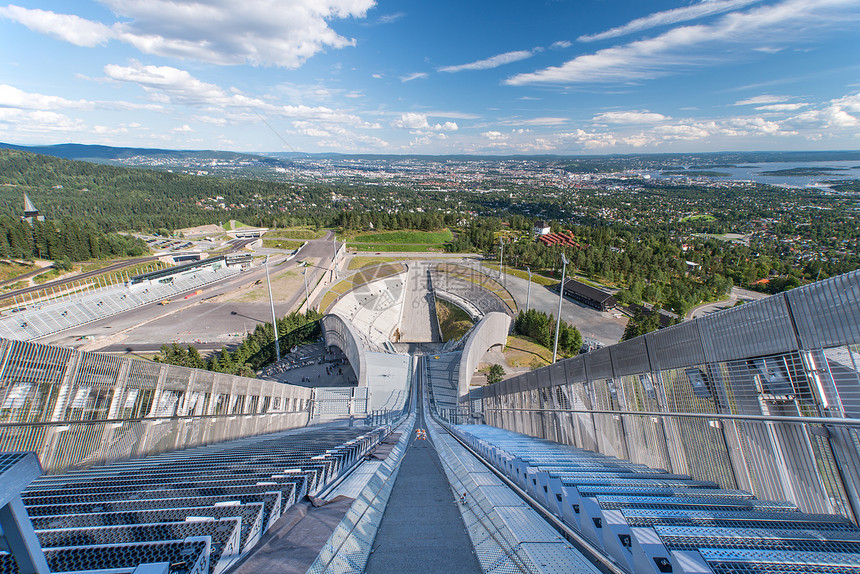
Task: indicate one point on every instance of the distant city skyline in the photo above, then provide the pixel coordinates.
(359, 76)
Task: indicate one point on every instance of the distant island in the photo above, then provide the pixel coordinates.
(805, 171)
(850, 185)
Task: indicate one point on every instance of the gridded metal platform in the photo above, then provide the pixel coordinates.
(198, 510)
(651, 521)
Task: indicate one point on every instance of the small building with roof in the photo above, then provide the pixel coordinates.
(591, 296)
(541, 228)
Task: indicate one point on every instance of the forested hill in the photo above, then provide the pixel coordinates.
(97, 153)
(115, 198)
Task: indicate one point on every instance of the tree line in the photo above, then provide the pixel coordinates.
(540, 327)
(255, 352)
(63, 240)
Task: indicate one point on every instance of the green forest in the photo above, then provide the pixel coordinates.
(655, 242)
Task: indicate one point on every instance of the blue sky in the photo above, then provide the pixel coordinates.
(484, 77)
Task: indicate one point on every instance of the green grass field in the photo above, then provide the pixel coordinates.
(539, 279)
(11, 269)
(524, 352)
(282, 244)
(453, 321)
(406, 237)
(397, 248)
(294, 233)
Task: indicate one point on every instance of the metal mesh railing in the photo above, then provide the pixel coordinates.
(764, 397)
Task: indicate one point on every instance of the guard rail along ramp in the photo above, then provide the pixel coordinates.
(651, 521)
(761, 399)
(195, 511)
(75, 408)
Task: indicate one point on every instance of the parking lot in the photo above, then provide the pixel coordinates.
(311, 366)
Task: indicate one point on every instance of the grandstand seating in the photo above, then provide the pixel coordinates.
(652, 521)
(375, 308)
(198, 509)
(443, 380)
(60, 315)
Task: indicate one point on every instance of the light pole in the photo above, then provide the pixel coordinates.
(529, 289)
(560, 295)
(274, 318)
(501, 257)
(334, 257)
(307, 295)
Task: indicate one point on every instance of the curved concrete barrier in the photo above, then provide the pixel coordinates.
(338, 332)
(492, 330)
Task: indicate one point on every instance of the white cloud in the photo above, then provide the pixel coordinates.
(494, 135)
(391, 18)
(413, 76)
(700, 45)
(39, 121)
(172, 85)
(561, 44)
(452, 114)
(763, 99)
(640, 117)
(667, 17)
(12, 97)
(418, 121)
(411, 121)
(282, 33)
(168, 84)
(183, 129)
(492, 62)
(67, 27)
(782, 107)
(541, 121)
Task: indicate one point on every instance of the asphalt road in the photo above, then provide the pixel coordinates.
(213, 324)
(737, 294)
(599, 325)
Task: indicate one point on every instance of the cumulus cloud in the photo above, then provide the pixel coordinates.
(667, 17)
(411, 121)
(694, 46)
(67, 27)
(492, 62)
(38, 121)
(12, 97)
(168, 84)
(418, 121)
(282, 33)
(640, 117)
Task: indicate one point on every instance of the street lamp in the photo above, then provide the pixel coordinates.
(334, 257)
(307, 295)
(560, 295)
(529, 290)
(501, 256)
(274, 318)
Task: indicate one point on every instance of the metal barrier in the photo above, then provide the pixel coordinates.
(78, 408)
(763, 397)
